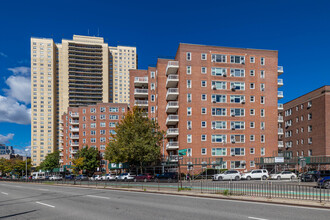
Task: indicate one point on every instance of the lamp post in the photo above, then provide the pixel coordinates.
(26, 150)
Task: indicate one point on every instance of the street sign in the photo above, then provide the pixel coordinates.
(279, 159)
(182, 152)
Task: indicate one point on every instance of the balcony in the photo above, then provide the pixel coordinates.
(75, 115)
(74, 122)
(172, 120)
(172, 67)
(74, 137)
(60, 147)
(61, 154)
(172, 132)
(280, 119)
(61, 141)
(172, 81)
(61, 134)
(172, 145)
(280, 70)
(280, 95)
(279, 83)
(141, 93)
(140, 81)
(74, 129)
(280, 106)
(280, 131)
(73, 151)
(74, 144)
(61, 121)
(280, 144)
(172, 94)
(172, 107)
(61, 161)
(141, 103)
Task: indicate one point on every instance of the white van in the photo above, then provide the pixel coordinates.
(38, 175)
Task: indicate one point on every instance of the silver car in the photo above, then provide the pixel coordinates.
(227, 175)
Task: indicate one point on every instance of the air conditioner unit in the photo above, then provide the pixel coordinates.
(232, 115)
(213, 60)
(232, 154)
(189, 127)
(233, 141)
(189, 100)
(242, 61)
(213, 128)
(214, 87)
(262, 89)
(214, 101)
(232, 128)
(224, 75)
(262, 128)
(233, 89)
(243, 101)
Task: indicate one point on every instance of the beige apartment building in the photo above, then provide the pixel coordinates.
(78, 72)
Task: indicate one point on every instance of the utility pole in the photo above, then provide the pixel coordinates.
(26, 178)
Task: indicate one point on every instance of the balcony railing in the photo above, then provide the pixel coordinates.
(280, 106)
(172, 93)
(172, 145)
(172, 132)
(74, 122)
(141, 92)
(280, 94)
(141, 79)
(75, 115)
(172, 106)
(280, 70)
(172, 119)
(74, 137)
(74, 144)
(172, 67)
(280, 144)
(172, 80)
(75, 129)
(280, 131)
(280, 82)
(141, 102)
(280, 118)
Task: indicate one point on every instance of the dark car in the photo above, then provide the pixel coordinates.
(69, 177)
(324, 182)
(313, 176)
(169, 177)
(82, 177)
(144, 177)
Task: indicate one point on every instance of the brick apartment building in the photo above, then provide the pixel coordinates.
(307, 124)
(216, 102)
(90, 125)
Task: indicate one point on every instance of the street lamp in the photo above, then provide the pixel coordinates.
(26, 150)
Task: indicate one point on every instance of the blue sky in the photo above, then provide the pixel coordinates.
(299, 30)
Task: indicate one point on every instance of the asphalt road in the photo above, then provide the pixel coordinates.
(30, 201)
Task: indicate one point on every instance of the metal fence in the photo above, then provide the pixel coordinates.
(265, 189)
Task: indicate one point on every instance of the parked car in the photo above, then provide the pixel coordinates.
(98, 177)
(168, 176)
(227, 175)
(144, 177)
(108, 177)
(256, 174)
(324, 182)
(124, 176)
(313, 176)
(55, 177)
(69, 177)
(283, 175)
(82, 177)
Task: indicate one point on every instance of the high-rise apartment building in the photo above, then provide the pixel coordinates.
(91, 126)
(216, 102)
(306, 124)
(73, 73)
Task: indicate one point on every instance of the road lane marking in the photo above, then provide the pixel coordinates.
(4, 193)
(101, 197)
(43, 189)
(257, 218)
(45, 204)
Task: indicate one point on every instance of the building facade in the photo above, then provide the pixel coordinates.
(73, 73)
(216, 102)
(90, 125)
(6, 150)
(306, 124)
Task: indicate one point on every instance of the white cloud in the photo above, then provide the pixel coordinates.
(5, 139)
(3, 54)
(14, 112)
(22, 152)
(20, 70)
(19, 88)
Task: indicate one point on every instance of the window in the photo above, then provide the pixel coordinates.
(237, 72)
(189, 111)
(237, 98)
(237, 59)
(102, 109)
(152, 86)
(113, 117)
(219, 125)
(152, 75)
(219, 151)
(252, 86)
(237, 138)
(203, 124)
(93, 140)
(152, 98)
(189, 152)
(93, 110)
(189, 138)
(189, 125)
(113, 109)
(204, 97)
(262, 99)
(189, 70)
(102, 139)
(93, 132)
(203, 70)
(215, 71)
(310, 140)
(252, 59)
(237, 112)
(262, 151)
(152, 109)
(237, 151)
(203, 137)
(237, 164)
(252, 150)
(221, 85)
(262, 138)
(203, 151)
(203, 83)
(203, 56)
(237, 125)
(189, 97)
(112, 124)
(310, 116)
(219, 112)
(252, 163)
(262, 125)
(262, 61)
(102, 117)
(188, 56)
(219, 58)
(262, 74)
(309, 128)
(302, 118)
(218, 138)
(262, 87)
(252, 98)
(237, 85)
(93, 125)
(262, 112)
(252, 124)
(219, 98)
(310, 153)
(102, 124)
(309, 105)
(204, 111)
(252, 73)
(189, 84)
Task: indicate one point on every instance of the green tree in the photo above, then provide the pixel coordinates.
(87, 159)
(137, 140)
(51, 161)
